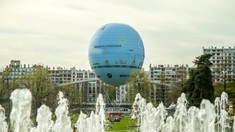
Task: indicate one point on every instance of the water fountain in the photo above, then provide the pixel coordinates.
(3, 124)
(208, 118)
(94, 123)
(20, 116)
(21, 108)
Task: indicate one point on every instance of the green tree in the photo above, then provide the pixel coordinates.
(4, 91)
(199, 85)
(112, 93)
(219, 88)
(138, 82)
(41, 87)
(7, 85)
(74, 96)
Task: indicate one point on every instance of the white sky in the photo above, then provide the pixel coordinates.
(58, 32)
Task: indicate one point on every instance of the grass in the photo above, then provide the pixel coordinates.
(125, 124)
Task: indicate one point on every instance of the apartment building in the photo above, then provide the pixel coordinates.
(15, 70)
(223, 63)
(162, 78)
(168, 73)
(90, 89)
(121, 94)
(61, 75)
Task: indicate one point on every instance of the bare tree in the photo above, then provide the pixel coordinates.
(177, 86)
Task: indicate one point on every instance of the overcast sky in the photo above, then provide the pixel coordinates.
(58, 32)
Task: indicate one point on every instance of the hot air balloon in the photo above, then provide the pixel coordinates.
(115, 51)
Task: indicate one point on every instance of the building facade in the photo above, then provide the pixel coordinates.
(223, 63)
(168, 73)
(121, 94)
(89, 89)
(163, 77)
(15, 69)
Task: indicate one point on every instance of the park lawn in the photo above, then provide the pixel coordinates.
(125, 124)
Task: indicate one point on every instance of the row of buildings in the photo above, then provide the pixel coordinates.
(91, 86)
(223, 69)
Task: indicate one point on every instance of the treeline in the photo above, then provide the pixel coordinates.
(197, 87)
(43, 90)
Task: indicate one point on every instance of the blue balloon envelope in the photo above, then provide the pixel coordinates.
(115, 51)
